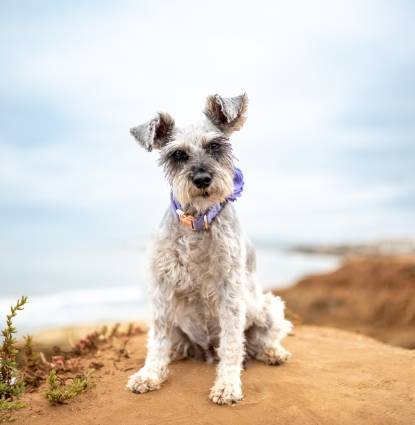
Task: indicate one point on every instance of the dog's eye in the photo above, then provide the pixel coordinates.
(214, 147)
(180, 155)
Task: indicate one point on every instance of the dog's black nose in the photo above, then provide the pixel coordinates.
(202, 179)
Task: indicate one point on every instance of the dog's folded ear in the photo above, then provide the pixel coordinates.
(228, 114)
(155, 133)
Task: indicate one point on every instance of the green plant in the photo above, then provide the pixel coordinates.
(30, 355)
(11, 384)
(58, 391)
(7, 407)
(33, 370)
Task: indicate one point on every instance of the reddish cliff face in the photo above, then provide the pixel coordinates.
(375, 296)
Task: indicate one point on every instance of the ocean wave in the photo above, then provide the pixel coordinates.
(80, 306)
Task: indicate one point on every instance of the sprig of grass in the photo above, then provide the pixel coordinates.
(30, 355)
(11, 384)
(7, 407)
(58, 392)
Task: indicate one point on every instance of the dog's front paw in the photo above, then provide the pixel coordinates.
(226, 392)
(144, 381)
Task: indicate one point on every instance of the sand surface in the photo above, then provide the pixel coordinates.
(334, 377)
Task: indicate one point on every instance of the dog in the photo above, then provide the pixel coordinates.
(206, 301)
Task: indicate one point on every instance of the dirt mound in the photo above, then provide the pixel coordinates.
(374, 296)
(334, 377)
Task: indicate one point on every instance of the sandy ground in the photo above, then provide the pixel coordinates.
(334, 377)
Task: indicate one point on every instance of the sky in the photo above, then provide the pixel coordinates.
(328, 150)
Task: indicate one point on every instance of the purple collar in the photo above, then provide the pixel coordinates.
(203, 221)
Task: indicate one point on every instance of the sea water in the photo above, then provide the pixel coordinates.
(108, 286)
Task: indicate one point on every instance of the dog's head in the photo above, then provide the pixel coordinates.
(198, 159)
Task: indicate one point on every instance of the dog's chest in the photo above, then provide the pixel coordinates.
(193, 267)
(199, 268)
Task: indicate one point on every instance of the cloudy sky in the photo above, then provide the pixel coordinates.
(328, 150)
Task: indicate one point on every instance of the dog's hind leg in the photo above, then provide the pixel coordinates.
(264, 336)
(184, 348)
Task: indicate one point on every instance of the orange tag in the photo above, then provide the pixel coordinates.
(186, 220)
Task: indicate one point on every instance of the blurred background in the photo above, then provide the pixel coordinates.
(328, 150)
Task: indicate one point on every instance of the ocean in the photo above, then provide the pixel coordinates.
(114, 287)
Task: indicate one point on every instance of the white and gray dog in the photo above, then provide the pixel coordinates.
(206, 300)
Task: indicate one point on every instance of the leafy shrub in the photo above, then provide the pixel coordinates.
(11, 384)
(58, 391)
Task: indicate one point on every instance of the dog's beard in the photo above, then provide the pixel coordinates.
(196, 200)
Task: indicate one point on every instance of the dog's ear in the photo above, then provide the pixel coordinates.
(228, 114)
(155, 133)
